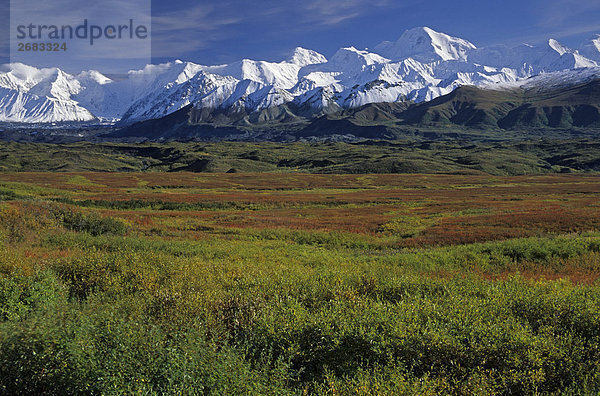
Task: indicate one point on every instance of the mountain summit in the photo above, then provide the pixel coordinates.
(425, 45)
(304, 57)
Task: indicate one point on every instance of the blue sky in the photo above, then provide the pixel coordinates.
(223, 31)
(214, 32)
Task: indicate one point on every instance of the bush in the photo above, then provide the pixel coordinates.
(93, 223)
(108, 348)
(20, 294)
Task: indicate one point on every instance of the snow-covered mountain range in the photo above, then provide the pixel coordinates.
(420, 66)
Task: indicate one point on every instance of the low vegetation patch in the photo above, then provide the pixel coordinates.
(378, 296)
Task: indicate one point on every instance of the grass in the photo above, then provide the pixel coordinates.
(299, 284)
(495, 153)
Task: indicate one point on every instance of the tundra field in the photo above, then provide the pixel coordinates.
(290, 283)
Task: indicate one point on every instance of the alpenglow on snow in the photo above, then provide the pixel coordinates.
(421, 65)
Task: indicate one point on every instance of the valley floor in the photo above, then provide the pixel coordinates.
(496, 153)
(294, 283)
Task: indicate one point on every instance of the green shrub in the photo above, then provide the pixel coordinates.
(93, 223)
(8, 195)
(19, 294)
(107, 348)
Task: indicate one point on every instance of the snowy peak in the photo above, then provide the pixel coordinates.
(560, 57)
(528, 60)
(39, 95)
(25, 78)
(426, 45)
(304, 57)
(591, 48)
(283, 74)
(94, 76)
(352, 58)
(161, 75)
(558, 47)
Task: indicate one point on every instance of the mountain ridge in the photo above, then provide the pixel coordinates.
(419, 66)
(471, 113)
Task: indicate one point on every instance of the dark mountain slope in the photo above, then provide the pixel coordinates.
(542, 109)
(465, 106)
(576, 106)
